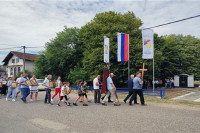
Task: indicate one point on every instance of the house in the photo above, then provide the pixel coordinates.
(13, 63)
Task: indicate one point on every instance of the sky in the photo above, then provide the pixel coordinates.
(33, 23)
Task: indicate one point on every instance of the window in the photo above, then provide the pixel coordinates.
(17, 60)
(15, 71)
(19, 69)
(11, 71)
(13, 60)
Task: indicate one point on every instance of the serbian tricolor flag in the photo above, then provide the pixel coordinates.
(123, 47)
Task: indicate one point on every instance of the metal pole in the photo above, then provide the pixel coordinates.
(24, 58)
(153, 73)
(128, 69)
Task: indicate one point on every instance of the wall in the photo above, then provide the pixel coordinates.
(29, 66)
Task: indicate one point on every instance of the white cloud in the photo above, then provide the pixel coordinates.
(32, 23)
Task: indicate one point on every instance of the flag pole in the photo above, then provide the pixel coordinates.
(128, 59)
(153, 72)
(128, 69)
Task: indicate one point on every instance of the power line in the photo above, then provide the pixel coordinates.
(36, 47)
(7, 44)
(172, 22)
(9, 48)
(20, 47)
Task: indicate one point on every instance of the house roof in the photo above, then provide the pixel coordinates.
(30, 57)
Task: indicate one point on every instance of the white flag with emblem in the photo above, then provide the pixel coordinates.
(148, 44)
(106, 49)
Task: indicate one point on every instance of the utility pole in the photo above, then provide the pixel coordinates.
(24, 47)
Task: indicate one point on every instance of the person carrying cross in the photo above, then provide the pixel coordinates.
(137, 89)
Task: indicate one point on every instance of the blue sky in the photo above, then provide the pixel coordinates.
(33, 23)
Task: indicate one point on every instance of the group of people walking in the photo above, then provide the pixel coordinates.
(135, 88)
(63, 90)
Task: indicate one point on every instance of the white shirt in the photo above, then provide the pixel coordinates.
(109, 85)
(18, 80)
(94, 83)
(63, 90)
(58, 84)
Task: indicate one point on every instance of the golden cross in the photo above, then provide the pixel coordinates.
(143, 70)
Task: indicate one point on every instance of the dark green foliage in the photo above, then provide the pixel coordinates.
(78, 54)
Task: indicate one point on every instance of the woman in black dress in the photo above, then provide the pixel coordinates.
(4, 87)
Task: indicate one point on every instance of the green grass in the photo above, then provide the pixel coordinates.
(169, 94)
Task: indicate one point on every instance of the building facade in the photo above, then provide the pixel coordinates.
(13, 63)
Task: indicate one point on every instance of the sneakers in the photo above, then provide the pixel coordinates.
(75, 104)
(31, 100)
(104, 104)
(85, 105)
(13, 100)
(6, 99)
(130, 104)
(116, 104)
(51, 100)
(124, 101)
(58, 105)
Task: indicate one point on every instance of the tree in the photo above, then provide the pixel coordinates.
(78, 54)
(59, 56)
(108, 24)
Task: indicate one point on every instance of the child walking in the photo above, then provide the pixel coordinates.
(80, 94)
(64, 93)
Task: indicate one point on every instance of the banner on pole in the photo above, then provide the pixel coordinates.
(148, 44)
(106, 49)
(123, 47)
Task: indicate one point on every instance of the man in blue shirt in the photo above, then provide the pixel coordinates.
(24, 87)
(111, 90)
(47, 89)
(130, 89)
(137, 89)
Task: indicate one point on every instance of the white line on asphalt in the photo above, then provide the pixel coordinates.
(49, 124)
(180, 97)
(197, 100)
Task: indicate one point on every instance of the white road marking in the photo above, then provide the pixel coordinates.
(48, 124)
(197, 100)
(180, 97)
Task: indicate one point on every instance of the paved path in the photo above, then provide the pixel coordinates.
(36, 117)
(193, 95)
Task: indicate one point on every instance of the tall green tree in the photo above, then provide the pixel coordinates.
(59, 56)
(78, 54)
(92, 37)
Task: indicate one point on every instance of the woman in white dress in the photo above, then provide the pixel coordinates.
(33, 89)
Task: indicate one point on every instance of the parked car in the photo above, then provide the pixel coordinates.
(40, 82)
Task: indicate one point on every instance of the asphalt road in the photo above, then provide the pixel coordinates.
(37, 117)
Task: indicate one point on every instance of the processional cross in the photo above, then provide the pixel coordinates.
(143, 70)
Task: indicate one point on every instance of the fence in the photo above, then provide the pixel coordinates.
(146, 92)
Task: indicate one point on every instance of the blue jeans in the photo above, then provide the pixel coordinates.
(11, 90)
(48, 95)
(25, 92)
